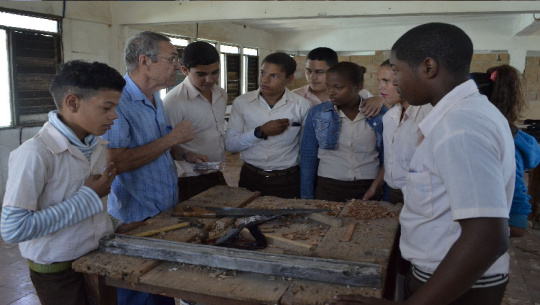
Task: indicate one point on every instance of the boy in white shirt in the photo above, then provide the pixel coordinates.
(199, 100)
(265, 125)
(56, 193)
(454, 223)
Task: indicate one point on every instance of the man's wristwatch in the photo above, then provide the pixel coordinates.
(259, 133)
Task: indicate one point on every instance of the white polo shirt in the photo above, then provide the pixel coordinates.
(464, 167)
(250, 111)
(400, 139)
(45, 171)
(185, 102)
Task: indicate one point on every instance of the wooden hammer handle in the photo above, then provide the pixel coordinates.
(164, 229)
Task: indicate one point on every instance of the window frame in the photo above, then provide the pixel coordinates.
(11, 57)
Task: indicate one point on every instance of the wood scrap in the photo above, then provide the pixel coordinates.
(350, 231)
(222, 223)
(162, 230)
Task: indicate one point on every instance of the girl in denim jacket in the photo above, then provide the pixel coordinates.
(342, 150)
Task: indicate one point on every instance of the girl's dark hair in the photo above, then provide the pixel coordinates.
(503, 85)
(349, 70)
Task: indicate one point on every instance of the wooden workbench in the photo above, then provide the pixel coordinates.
(373, 241)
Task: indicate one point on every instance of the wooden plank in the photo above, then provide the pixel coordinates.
(204, 284)
(329, 270)
(128, 268)
(371, 241)
(162, 230)
(222, 196)
(304, 292)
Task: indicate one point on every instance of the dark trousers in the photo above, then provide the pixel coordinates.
(59, 288)
(396, 196)
(191, 186)
(474, 296)
(286, 185)
(341, 191)
(132, 297)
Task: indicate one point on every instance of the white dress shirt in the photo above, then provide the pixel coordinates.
(356, 156)
(463, 167)
(250, 111)
(400, 139)
(186, 103)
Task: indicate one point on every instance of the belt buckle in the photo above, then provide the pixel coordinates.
(267, 173)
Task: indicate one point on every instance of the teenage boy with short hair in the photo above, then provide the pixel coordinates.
(199, 100)
(265, 125)
(454, 223)
(317, 62)
(56, 193)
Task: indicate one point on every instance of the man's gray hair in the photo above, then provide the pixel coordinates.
(144, 43)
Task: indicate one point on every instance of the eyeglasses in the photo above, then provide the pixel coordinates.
(172, 60)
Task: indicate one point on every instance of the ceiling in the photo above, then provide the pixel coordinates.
(287, 25)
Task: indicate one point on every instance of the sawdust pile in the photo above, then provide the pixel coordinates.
(360, 209)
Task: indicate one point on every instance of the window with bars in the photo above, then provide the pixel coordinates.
(29, 59)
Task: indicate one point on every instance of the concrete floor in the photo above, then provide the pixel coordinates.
(523, 289)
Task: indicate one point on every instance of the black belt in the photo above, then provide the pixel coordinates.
(272, 173)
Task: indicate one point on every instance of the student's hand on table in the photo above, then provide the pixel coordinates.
(101, 184)
(372, 106)
(358, 300)
(275, 127)
(182, 132)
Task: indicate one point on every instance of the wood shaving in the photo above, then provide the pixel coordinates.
(360, 209)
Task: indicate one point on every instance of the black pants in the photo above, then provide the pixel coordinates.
(191, 186)
(341, 191)
(474, 296)
(65, 288)
(283, 186)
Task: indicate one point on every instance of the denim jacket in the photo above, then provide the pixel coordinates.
(321, 129)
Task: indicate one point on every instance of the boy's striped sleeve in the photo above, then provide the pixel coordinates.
(19, 224)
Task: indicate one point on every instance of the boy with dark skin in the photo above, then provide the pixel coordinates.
(466, 153)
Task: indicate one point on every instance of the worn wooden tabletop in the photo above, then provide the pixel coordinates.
(369, 241)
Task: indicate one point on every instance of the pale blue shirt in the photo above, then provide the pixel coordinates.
(152, 188)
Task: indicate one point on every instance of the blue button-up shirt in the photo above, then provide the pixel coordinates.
(152, 188)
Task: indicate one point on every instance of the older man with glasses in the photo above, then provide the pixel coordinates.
(142, 146)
